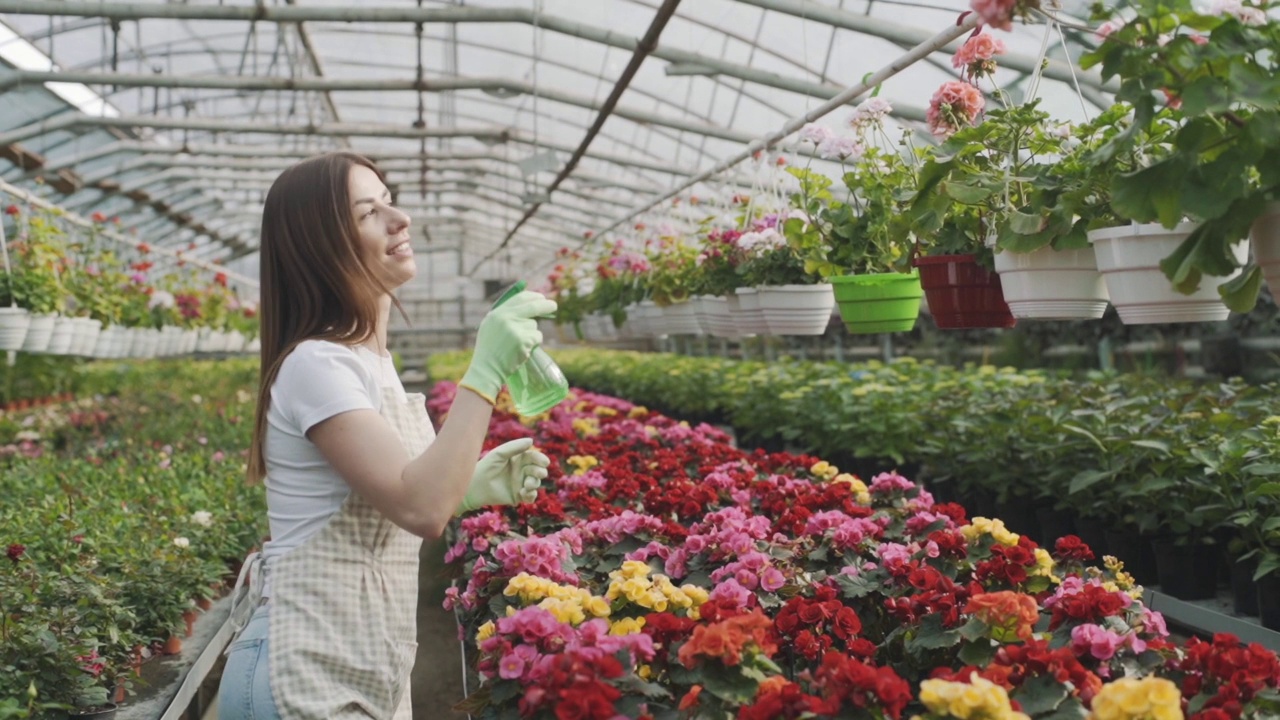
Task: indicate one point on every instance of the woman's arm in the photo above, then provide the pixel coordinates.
(419, 494)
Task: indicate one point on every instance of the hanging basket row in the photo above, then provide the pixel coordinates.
(53, 334)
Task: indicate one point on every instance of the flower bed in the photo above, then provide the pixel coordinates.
(664, 573)
(1196, 463)
(121, 513)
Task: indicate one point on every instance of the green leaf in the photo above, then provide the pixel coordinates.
(1154, 445)
(975, 629)
(1041, 694)
(728, 684)
(1087, 479)
(1241, 293)
(967, 194)
(1152, 194)
(978, 653)
(1271, 488)
(931, 636)
(1206, 95)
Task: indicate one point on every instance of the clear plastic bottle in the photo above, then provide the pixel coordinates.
(538, 385)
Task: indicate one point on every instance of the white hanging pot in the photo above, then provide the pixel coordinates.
(1048, 284)
(797, 309)
(637, 323)
(39, 333)
(86, 336)
(654, 320)
(682, 319)
(1264, 236)
(204, 341)
(715, 317)
(108, 343)
(63, 335)
(13, 327)
(748, 317)
(1129, 260)
(190, 339)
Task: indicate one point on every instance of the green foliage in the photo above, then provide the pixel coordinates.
(76, 601)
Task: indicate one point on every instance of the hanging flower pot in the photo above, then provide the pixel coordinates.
(1264, 236)
(1048, 284)
(715, 318)
(1129, 258)
(14, 323)
(750, 318)
(797, 309)
(63, 334)
(963, 294)
(681, 319)
(651, 317)
(39, 333)
(878, 303)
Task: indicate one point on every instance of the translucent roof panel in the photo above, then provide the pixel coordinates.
(178, 116)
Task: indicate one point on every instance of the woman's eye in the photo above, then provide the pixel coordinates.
(369, 214)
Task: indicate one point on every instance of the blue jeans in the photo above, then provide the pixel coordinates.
(245, 692)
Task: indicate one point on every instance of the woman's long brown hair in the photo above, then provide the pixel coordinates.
(315, 282)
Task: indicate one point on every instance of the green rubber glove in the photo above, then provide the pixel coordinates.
(503, 342)
(509, 474)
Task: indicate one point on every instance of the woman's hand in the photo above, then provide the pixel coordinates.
(504, 340)
(510, 474)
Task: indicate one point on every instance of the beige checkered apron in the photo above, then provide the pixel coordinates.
(344, 604)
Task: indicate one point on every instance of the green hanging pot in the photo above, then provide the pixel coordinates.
(880, 303)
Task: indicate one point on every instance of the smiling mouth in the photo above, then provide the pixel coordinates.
(400, 248)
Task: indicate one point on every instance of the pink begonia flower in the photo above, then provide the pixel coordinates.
(891, 553)
(1153, 622)
(996, 13)
(1101, 643)
(510, 667)
(772, 579)
(733, 593)
(955, 105)
(977, 53)
(746, 579)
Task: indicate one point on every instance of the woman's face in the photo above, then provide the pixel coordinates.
(384, 229)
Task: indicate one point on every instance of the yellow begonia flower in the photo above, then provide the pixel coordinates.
(824, 470)
(603, 411)
(486, 631)
(638, 411)
(1150, 698)
(582, 463)
(978, 698)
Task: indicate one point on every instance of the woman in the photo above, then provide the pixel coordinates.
(354, 480)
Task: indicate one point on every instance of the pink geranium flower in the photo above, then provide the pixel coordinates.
(996, 13)
(976, 56)
(955, 105)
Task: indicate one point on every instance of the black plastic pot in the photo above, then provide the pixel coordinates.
(1019, 515)
(1094, 534)
(1187, 572)
(106, 712)
(1054, 524)
(1135, 552)
(1269, 601)
(1243, 589)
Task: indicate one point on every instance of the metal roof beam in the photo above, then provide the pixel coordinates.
(324, 84)
(907, 36)
(362, 13)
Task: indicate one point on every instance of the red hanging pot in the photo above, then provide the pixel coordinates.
(963, 294)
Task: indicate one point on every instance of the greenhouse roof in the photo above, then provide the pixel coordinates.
(176, 117)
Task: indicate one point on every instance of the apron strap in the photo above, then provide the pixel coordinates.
(245, 597)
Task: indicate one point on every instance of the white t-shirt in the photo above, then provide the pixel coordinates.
(318, 380)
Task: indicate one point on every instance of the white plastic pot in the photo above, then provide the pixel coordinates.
(14, 323)
(797, 309)
(1048, 284)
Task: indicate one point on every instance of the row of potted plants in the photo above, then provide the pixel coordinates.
(1192, 466)
(64, 292)
(664, 573)
(1014, 215)
(124, 512)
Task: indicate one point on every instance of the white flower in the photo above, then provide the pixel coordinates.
(182, 542)
(815, 133)
(27, 436)
(1243, 13)
(203, 518)
(1063, 131)
(1107, 28)
(869, 111)
(839, 148)
(161, 299)
(197, 399)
